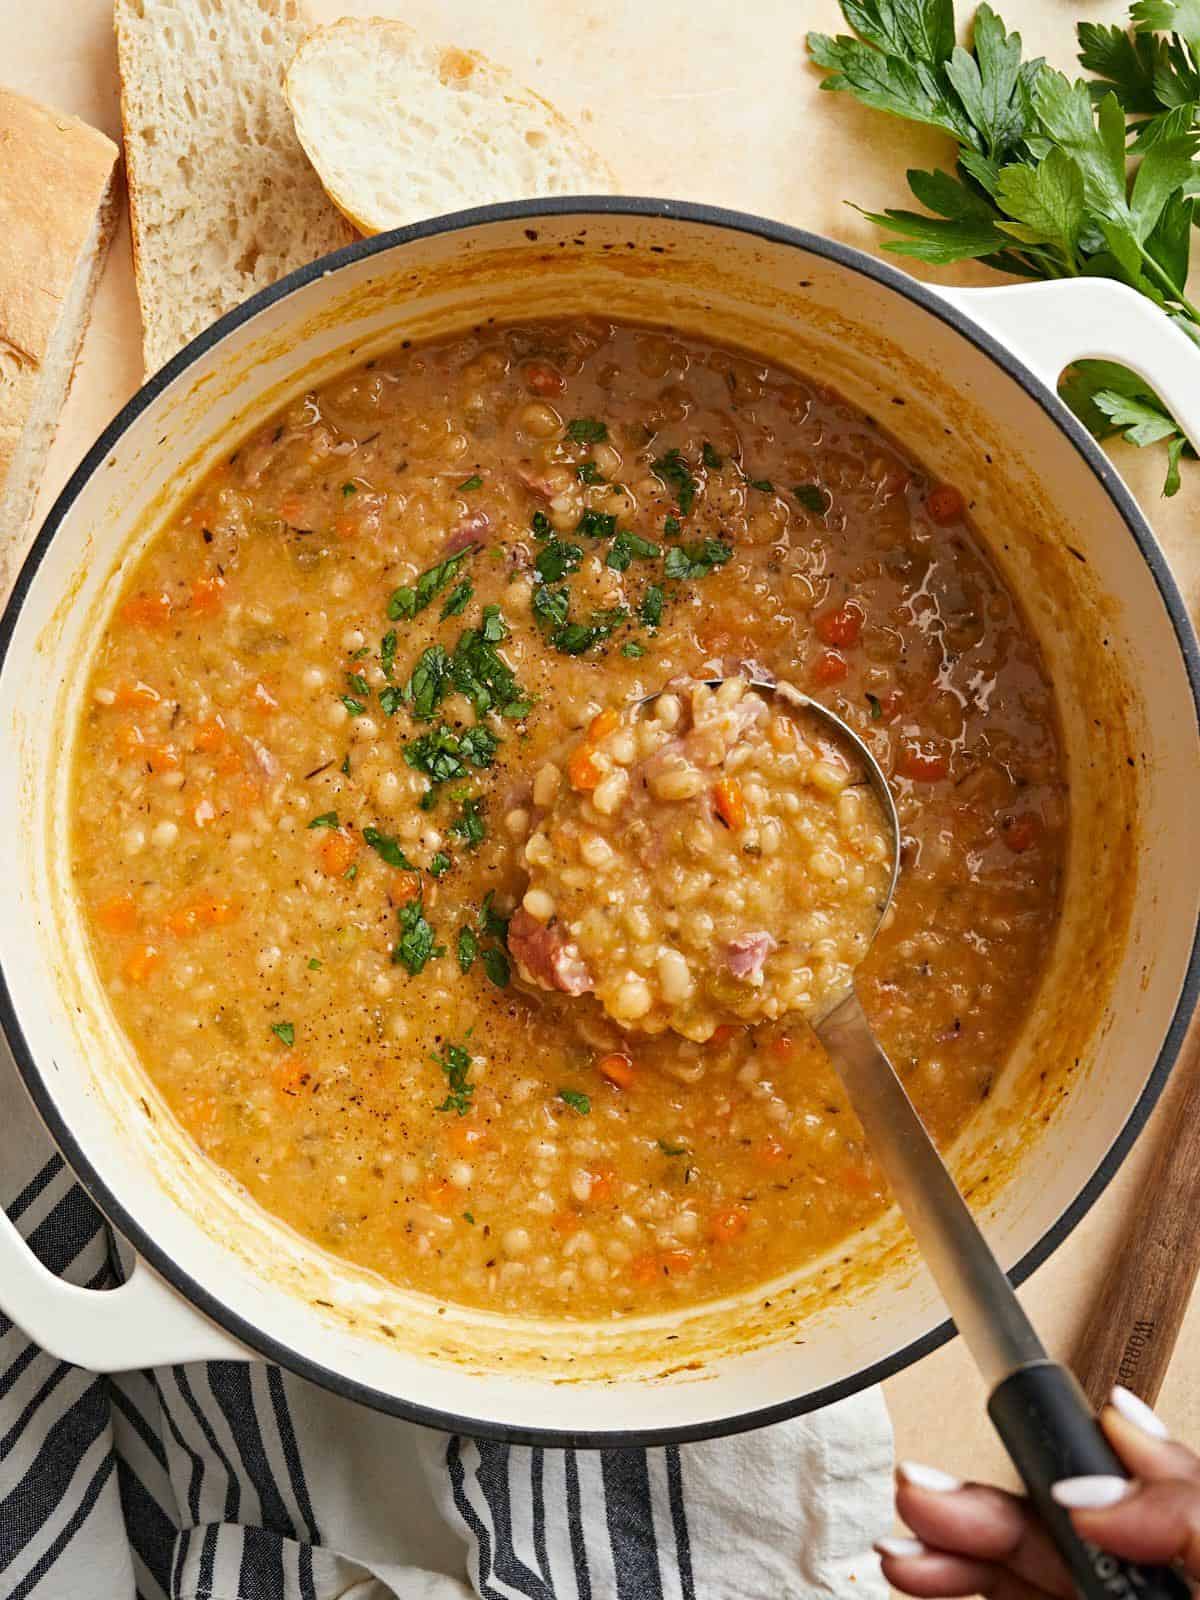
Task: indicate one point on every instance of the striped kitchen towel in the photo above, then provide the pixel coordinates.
(237, 1481)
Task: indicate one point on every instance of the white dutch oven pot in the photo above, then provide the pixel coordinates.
(964, 379)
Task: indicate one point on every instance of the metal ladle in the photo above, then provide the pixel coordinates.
(1036, 1405)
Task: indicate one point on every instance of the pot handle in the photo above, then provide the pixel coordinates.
(1049, 325)
(141, 1323)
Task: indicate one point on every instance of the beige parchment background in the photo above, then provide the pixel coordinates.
(702, 100)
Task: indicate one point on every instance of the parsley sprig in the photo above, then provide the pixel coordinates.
(1043, 186)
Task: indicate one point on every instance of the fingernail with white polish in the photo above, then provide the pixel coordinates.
(1138, 1412)
(921, 1477)
(900, 1547)
(1091, 1494)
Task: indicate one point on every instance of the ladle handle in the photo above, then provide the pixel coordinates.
(1049, 1431)
(1038, 1409)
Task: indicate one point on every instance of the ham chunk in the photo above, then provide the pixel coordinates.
(468, 530)
(744, 956)
(545, 956)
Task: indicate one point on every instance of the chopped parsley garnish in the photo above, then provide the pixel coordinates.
(482, 674)
(551, 605)
(429, 681)
(387, 652)
(628, 545)
(710, 458)
(456, 1064)
(491, 923)
(416, 945)
(589, 473)
(672, 527)
(470, 827)
(351, 872)
(314, 965)
(633, 649)
(440, 865)
(357, 684)
(587, 430)
(361, 654)
(467, 1217)
(473, 482)
(672, 1149)
(540, 523)
(677, 475)
(456, 601)
(349, 489)
(407, 601)
(813, 498)
(696, 560)
(763, 484)
(327, 819)
(478, 744)
(495, 964)
(346, 764)
(651, 608)
(353, 706)
(468, 949)
(556, 559)
(597, 524)
(876, 705)
(438, 754)
(391, 698)
(285, 1032)
(575, 638)
(388, 848)
(577, 1102)
(494, 628)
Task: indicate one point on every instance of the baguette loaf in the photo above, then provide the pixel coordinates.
(58, 207)
(222, 199)
(400, 129)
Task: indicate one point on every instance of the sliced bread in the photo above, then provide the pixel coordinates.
(400, 129)
(58, 207)
(222, 199)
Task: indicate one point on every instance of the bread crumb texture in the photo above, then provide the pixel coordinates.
(222, 198)
(400, 129)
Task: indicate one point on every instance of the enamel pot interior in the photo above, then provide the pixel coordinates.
(1108, 1015)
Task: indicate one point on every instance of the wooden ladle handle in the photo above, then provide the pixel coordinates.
(1132, 1331)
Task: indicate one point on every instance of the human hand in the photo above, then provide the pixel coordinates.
(971, 1539)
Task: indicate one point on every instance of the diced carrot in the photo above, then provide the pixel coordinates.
(262, 699)
(346, 525)
(783, 1046)
(543, 380)
(602, 724)
(148, 610)
(782, 733)
(921, 764)
(770, 1153)
(644, 1269)
(729, 803)
(118, 915)
(725, 1034)
(676, 1263)
(160, 757)
(142, 962)
(463, 1137)
(582, 771)
(129, 740)
(828, 668)
(617, 1069)
(131, 694)
(338, 850)
(944, 504)
(566, 1222)
(210, 736)
(208, 595)
(290, 1073)
(842, 626)
(601, 1191)
(228, 761)
(292, 510)
(439, 1194)
(206, 912)
(1021, 833)
(403, 887)
(729, 1223)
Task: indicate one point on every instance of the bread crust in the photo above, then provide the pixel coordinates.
(56, 175)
